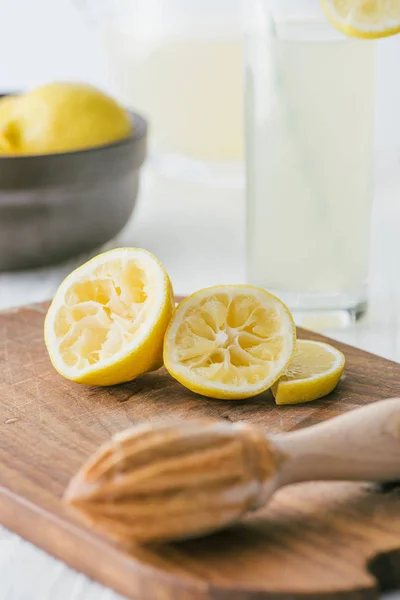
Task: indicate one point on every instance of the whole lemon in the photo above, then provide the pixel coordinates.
(61, 117)
(6, 106)
(6, 111)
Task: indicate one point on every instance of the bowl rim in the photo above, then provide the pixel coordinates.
(140, 127)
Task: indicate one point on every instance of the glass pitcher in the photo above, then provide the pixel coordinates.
(309, 134)
(179, 63)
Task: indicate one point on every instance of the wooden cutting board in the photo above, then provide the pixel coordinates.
(321, 540)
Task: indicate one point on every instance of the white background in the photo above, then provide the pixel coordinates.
(45, 40)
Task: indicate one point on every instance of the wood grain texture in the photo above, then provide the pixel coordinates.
(312, 540)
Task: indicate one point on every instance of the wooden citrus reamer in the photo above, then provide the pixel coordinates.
(189, 478)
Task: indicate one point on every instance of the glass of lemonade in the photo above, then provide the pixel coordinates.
(309, 139)
(179, 63)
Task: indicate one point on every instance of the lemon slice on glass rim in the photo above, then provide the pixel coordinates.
(229, 342)
(368, 19)
(108, 318)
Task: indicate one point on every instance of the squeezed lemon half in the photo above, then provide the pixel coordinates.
(108, 318)
(229, 341)
(313, 372)
(367, 19)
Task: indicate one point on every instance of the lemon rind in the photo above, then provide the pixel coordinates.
(328, 380)
(351, 28)
(220, 390)
(130, 348)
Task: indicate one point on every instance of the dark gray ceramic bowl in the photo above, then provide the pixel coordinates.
(55, 206)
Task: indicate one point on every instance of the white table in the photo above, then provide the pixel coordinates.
(200, 238)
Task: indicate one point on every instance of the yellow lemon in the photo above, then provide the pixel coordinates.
(364, 18)
(229, 341)
(108, 318)
(313, 372)
(61, 117)
(6, 108)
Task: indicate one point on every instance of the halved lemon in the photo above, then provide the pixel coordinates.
(108, 318)
(313, 372)
(229, 341)
(364, 18)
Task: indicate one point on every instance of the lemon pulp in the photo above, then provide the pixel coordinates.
(364, 18)
(229, 341)
(107, 320)
(313, 372)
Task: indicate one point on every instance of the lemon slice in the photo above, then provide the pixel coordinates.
(313, 372)
(229, 342)
(108, 318)
(364, 18)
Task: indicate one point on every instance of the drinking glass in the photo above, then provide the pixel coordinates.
(179, 63)
(309, 101)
